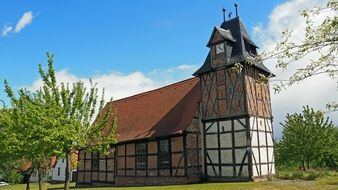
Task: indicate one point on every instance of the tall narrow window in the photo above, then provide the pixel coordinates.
(95, 161)
(141, 156)
(59, 171)
(163, 154)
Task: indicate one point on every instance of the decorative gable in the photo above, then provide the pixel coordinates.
(219, 35)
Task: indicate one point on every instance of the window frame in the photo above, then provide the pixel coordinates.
(95, 161)
(143, 156)
(163, 156)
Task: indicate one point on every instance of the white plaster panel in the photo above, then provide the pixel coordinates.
(226, 140)
(243, 120)
(255, 153)
(211, 141)
(254, 139)
(211, 171)
(273, 170)
(261, 124)
(252, 123)
(263, 155)
(240, 155)
(227, 171)
(240, 138)
(270, 140)
(245, 171)
(264, 168)
(226, 156)
(255, 170)
(226, 125)
(238, 125)
(213, 154)
(268, 125)
(270, 153)
(262, 141)
(213, 127)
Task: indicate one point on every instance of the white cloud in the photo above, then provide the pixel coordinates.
(25, 20)
(316, 91)
(116, 85)
(186, 67)
(173, 74)
(7, 29)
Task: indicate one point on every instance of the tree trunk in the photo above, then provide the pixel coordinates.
(26, 179)
(68, 170)
(303, 165)
(27, 186)
(40, 179)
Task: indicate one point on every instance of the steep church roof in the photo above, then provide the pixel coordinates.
(237, 31)
(162, 112)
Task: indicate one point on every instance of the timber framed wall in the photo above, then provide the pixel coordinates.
(227, 149)
(237, 125)
(261, 129)
(223, 94)
(105, 172)
(166, 160)
(263, 162)
(193, 149)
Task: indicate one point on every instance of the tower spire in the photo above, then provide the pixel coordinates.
(236, 6)
(223, 10)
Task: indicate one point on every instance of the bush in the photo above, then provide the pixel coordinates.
(298, 175)
(313, 175)
(308, 175)
(13, 177)
(284, 175)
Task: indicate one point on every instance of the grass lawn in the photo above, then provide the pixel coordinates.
(319, 183)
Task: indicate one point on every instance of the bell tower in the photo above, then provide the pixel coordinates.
(235, 107)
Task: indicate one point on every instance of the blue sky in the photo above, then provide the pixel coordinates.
(90, 37)
(133, 46)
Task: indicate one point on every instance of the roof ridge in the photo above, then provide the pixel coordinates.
(157, 89)
(231, 20)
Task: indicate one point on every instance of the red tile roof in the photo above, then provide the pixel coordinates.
(162, 112)
(50, 163)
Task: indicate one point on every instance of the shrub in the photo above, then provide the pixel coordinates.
(13, 177)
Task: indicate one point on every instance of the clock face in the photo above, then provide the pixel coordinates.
(219, 48)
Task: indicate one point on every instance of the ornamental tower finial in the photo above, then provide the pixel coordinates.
(236, 6)
(223, 10)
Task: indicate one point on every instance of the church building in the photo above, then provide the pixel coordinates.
(216, 126)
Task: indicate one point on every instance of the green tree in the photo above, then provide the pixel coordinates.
(24, 132)
(56, 120)
(307, 138)
(75, 107)
(8, 167)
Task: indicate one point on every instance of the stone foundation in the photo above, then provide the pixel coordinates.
(144, 181)
(140, 181)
